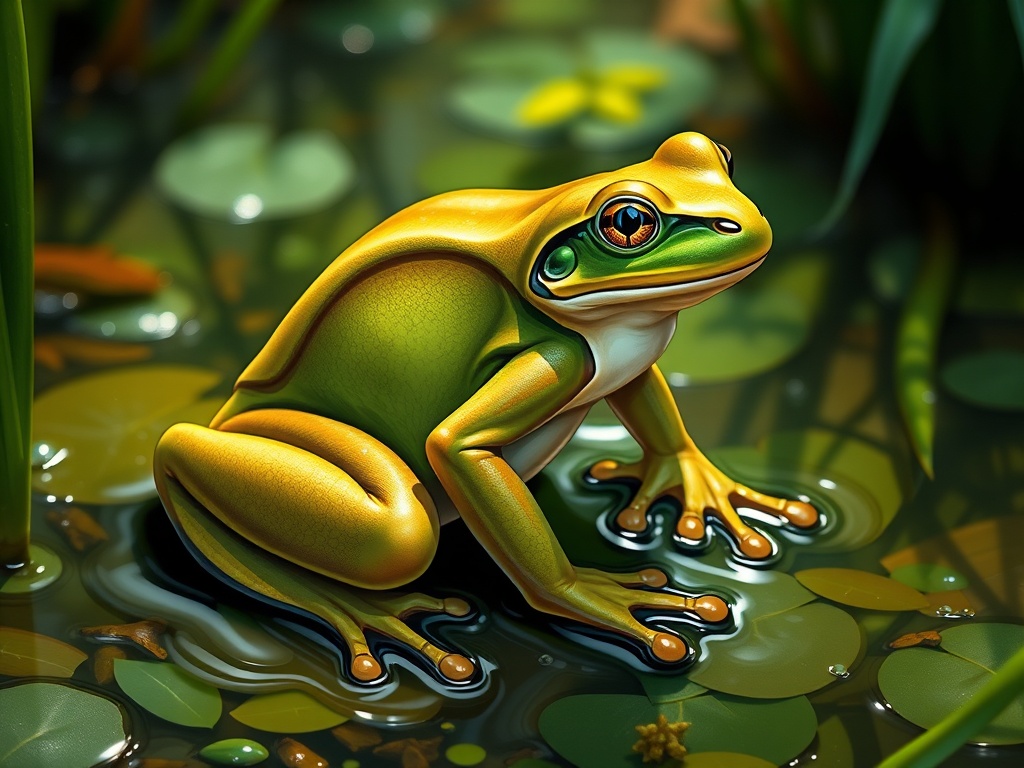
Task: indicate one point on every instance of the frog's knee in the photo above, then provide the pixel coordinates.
(404, 546)
(179, 446)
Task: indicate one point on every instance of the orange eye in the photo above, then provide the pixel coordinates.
(627, 223)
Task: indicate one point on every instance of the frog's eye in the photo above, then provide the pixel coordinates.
(728, 158)
(627, 223)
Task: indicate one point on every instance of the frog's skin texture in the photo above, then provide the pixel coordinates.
(439, 363)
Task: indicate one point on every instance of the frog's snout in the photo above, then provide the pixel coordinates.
(726, 227)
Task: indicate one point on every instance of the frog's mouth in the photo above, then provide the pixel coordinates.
(665, 298)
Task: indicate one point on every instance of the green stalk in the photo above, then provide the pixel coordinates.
(16, 318)
(940, 741)
(188, 25)
(233, 46)
(917, 337)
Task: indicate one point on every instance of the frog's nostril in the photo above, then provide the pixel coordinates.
(726, 226)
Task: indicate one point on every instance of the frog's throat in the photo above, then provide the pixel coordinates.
(657, 300)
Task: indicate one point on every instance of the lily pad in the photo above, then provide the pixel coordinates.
(928, 577)
(500, 83)
(662, 689)
(287, 712)
(993, 379)
(926, 685)
(987, 553)
(104, 427)
(598, 730)
(238, 172)
(725, 760)
(472, 164)
(862, 589)
(748, 329)
(28, 654)
(154, 317)
(783, 654)
(169, 692)
(52, 724)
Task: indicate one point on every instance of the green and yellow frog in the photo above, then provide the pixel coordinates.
(437, 365)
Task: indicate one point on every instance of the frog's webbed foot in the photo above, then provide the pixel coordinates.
(704, 493)
(607, 600)
(362, 611)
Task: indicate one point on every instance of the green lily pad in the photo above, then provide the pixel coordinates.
(169, 692)
(925, 685)
(472, 164)
(662, 689)
(927, 577)
(862, 589)
(103, 428)
(725, 760)
(234, 752)
(154, 317)
(287, 712)
(993, 379)
(750, 328)
(777, 655)
(238, 172)
(598, 730)
(51, 724)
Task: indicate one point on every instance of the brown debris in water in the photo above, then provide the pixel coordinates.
(930, 639)
(660, 740)
(78, 526)
(415, 753)
(103, 662)
(356, 737)
(295, 754)
(144, 634)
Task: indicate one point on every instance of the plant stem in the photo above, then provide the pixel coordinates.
(233, 46)
(917, 336)
(939, 742)
(16, 316)
(188, 25)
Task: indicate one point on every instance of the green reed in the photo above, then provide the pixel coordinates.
(16, 251)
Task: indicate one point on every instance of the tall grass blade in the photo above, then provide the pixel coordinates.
(902, 28)
(1017, 14)
(16, 246)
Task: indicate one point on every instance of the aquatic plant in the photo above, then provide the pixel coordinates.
(16, 242)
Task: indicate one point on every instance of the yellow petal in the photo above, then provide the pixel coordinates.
(619, 105)
(639, 77)
(554, 102)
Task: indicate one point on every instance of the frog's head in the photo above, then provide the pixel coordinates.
(668, 232)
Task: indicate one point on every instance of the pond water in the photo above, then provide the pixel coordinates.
(343, 114)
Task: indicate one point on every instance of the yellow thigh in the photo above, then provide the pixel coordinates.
(321, 494)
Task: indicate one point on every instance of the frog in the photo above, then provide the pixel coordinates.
(438, 365)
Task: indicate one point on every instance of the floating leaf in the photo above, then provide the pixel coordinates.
(27, 654)
(777, 655)
(861, 589)
(724, 760)
(834, 748)
(987, 553)
(169, 692)
(927, 577)
(598, 730)
(238, 172)
(234, 752)
(472, 164)
(53, 350)
(662, 689)
(749, 329)
(926, 685)
(993, 379)
(107, 424)
(49, 724)
(92, 270)
(287, 712)
(155, 317)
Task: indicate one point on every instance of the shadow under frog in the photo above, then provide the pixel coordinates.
(442, 361)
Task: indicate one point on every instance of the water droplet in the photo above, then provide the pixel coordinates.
(839, 670)
(545, 659)
(357, 38)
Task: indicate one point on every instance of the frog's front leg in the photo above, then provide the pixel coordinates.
(673, 466)
(465, 453)
(295, 507)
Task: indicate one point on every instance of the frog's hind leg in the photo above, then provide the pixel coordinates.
(294, 507)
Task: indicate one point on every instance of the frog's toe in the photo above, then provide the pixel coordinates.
(691, 526)
(365, 668)
(456, 667)
(669, 648)
(632, 519)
